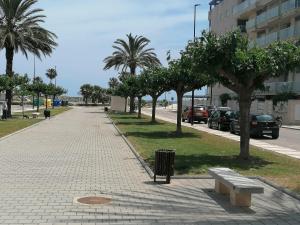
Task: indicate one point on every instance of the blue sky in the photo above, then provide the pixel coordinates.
(87, 29)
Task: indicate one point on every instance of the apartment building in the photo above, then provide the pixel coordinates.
(264, 21)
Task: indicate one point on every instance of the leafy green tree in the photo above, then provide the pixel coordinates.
(122, 90)
(51, 74)
(22, 89)
(155, 80)
(57, 91)
(37, 87)
(182, 79)
(86, 91)
(131, 54)
(242, 69)
(20, 30)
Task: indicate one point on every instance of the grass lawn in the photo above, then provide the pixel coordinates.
(197, 151)
(18, 123)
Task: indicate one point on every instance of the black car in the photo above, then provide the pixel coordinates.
(260, 125)
(221, 118)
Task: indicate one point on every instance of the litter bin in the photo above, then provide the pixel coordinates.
(164, 164)
(47, 113)
(105, 109)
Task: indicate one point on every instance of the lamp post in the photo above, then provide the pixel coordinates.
(33, 79)
(193, 92)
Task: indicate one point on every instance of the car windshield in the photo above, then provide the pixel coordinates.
(264, 118)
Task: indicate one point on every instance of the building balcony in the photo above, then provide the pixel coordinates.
(275, 88)
(244, 7)
(273, 14)
(281, 35)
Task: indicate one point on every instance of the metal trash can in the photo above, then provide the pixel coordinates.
(47, 113)
(105, 109)
(164, 164)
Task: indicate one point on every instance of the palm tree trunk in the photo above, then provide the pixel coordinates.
(132, 72)
(140, 107)
(245, 104)
(179, 112)
(9, 72)
(154, 101)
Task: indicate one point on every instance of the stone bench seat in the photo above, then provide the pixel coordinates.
(35, 115)
(239, 187)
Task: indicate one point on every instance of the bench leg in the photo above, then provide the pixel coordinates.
(238, 199)
(221, 188)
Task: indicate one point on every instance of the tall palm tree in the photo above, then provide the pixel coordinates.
(20, 30)
(131, 55)
(51, 74)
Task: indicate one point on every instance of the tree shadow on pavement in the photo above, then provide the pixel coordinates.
(185, 164)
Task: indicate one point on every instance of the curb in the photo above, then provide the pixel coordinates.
(137, 155)
(31, 126)
(290, 128)
(178, 177)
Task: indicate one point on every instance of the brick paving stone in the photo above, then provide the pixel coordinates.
(79, 153)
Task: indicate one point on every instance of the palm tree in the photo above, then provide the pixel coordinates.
(131, 55)
(51, 74)
(20, 30)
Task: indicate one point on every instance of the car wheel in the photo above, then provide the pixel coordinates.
(183, 120)
(231, 130)
(189, 120)
(275, 136)
(209, 125)
(205, 121)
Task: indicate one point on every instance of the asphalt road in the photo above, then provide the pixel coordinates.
(287, 137)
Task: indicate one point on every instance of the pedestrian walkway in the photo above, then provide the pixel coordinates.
(257, 143)
(79, 153)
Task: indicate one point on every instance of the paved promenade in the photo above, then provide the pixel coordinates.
(79, 153)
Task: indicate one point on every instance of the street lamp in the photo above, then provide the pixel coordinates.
(193, 92)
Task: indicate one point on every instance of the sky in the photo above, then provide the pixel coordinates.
(87, 29)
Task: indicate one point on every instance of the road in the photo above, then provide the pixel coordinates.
(288, 138)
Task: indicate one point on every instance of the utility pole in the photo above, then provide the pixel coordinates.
(193, 92)
(33, 80)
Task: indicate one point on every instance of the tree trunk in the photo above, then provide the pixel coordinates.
(131, 104)
(22, 106)
(9, 72)
(179, 112)
(86, 101)
(140, 107)
(154, 101)
(245, 104)
(125, 105)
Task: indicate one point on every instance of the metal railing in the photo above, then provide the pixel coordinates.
(244, 6)
(274, 88)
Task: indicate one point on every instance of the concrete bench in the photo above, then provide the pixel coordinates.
(35, 115)
(239, 187)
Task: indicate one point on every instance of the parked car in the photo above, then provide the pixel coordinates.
(200, 114)
(221, 119)
(260, 125)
